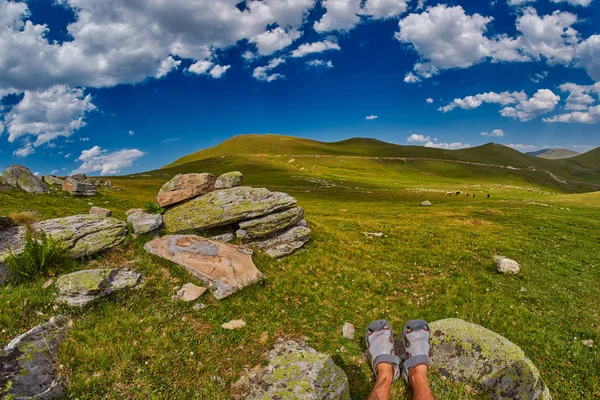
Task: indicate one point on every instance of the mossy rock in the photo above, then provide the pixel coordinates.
(20, 177)
(229, 180)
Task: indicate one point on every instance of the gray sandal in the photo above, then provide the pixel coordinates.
(416, 337)
(380, 345)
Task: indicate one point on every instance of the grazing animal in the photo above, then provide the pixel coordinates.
(473, 196)
(448, 193)
(467, 194)
(458, 193)
(488, 195)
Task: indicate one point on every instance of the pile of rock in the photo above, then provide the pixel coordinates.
(20, 177)
(79, 185)
(258, 217)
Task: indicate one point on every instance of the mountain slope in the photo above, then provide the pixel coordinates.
(554, 154)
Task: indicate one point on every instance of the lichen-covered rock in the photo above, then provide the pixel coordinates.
(226, 268)
(466, 352)
(52, 180)
(28, 363)
(13, 238)
(284, 243)
(229, 180)
(224, 207)
(79, 288)
(103, 212)
(294, 371)
(133, 210)
(108, 183)
(224, 238)
(79, 185)
(506, 265)
(183, 187)
(20, 177)
(144, 223)
(266, 226)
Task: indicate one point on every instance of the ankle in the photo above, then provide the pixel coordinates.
(418, 373)
(385, 371)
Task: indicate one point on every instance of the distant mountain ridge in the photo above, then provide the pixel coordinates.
(554, 154)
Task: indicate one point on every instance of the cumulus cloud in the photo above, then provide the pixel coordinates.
(219, 70)
(471, 102)
(429, 100)
(166, 66)
(343, 15)
(416, 138)
(319, 63)
(205, 67)
(591, 116)
(48, 114)
(583, 3)
(131, 132)
(384, 8)
(579, 95)
(589, 56)
(263, 73)
(411, 78)
(371, 117)
(316, 47)
(522, 147)
(24, 151)
(447, 146)
(99, 160)
(274, 40)
(495, 132)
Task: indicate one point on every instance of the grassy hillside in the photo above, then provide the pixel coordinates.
(554, 154)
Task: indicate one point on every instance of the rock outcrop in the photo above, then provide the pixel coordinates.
(294, 371)
(52, 180)
(229, 180)
(184, 187)
(102, 212)
(28, 363)
(506, 265)
(225, 206)
(284, 243)
(144, 223)
(79, 288)
(20, 177)
(266, 226)
(466, 352)
(13, 238)
(79, 185)
(226, 268)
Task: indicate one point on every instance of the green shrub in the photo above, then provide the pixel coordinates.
(152, 208)
(41, 255)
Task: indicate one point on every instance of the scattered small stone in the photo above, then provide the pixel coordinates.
(199, 306)
(189, 292)
(235, 324)
(348, 330)
(90, 203)
(103, 212)
(426, 203)
(523, 289)
(47, 283)
(506, 265)
(373, 235)
(589, 343)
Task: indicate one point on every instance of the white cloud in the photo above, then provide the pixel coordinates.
(429, 100)
(543, 101)
(319, 63)
(411, 78)
(522, 147)
(54, 171)
(262, 73)
(249, 56)
(589, 56)
(384, 8)
(591, 116)
(131, 132)
(82, 139)
(219, 70)
(471, 102)
(205, 67)
(417, 138)
(495, 132)
(538, 77)
(274, 40)
(24, 151)
(170, 140)
(579, 95)
(99, 160)
(519, 2)
(68, 155)
(583, 3)
(339, 15)
(46, 115)
(316, 47)
(167, 65)
(447, 146)
(371, 117)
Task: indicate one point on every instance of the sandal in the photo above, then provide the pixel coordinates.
(380, 346)
(417, 339)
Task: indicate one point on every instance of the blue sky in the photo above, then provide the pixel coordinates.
(118, 86)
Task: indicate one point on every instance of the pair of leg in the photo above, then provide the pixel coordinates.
(385, 378)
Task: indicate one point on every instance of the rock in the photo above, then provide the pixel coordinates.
(189, 292)
(133, 210)
(103, 212)
(79, 185)
(303, 223)
(6, 222)
(466, 352)
(373, 235)
(144, 223)
(224, 238)
(348, 330)
(224, 207)
(226, 268)
(506, 265)
(266, 226)
(20, 177)
(294, 371)
(199, 306)
(426, 203)
(79, 288)
(52, 180)
(589, 343)
(47, 284)
(235, 324)
(13, 238)
(285, 243)
(229, 180)
(183, 187)
(108, 183)
(28, 363)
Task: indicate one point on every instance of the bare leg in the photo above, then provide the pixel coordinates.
(383, 386)
(419, 383)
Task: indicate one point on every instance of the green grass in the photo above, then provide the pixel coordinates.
(434, 262)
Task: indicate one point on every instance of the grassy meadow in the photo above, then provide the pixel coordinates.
(433, 263)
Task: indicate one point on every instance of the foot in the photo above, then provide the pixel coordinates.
(380, 345)
(416, 337)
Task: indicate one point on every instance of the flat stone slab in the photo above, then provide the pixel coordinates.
(183, 187)
(268, 225)
(82, 287)
(284, 243)
(294, 371)
(103, 212)
(79, 185)
(226, 268)
(223, 207)
(28, 362)
(144, 223)
(189, 292)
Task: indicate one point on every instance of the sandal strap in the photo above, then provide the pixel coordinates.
(415, 361)
(388, 359)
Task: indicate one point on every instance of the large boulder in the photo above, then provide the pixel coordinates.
(466, 352)
(28, 363)
(284, 243)
(226, 268)
(13, 238)
(79, 288)
(52, 180)
(20, 177)
(79, 185)
(224, 207)
(294, 371)
(183, 187)
(229, 180)
(144, 223)
(266, 226)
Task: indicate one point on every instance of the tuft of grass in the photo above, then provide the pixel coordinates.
(152, 208)
(26, 218)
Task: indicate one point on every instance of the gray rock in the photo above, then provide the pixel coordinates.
(294, 371)
(28, 363)
(108, 183)
(426, 203)
(348, 330)
(229, 180)
(103, 212)
(284, 243)
(224, 207)
(374, 235)
(6, 222)
(133, 210)
(506, 265)
(20, 177)
(466, 352)
(79, 288)
(303, 223)
(79, 185)
(184, 187)
(144, 223)
(13, 238)
(52, 180)
(224, 238)
(268, 225)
